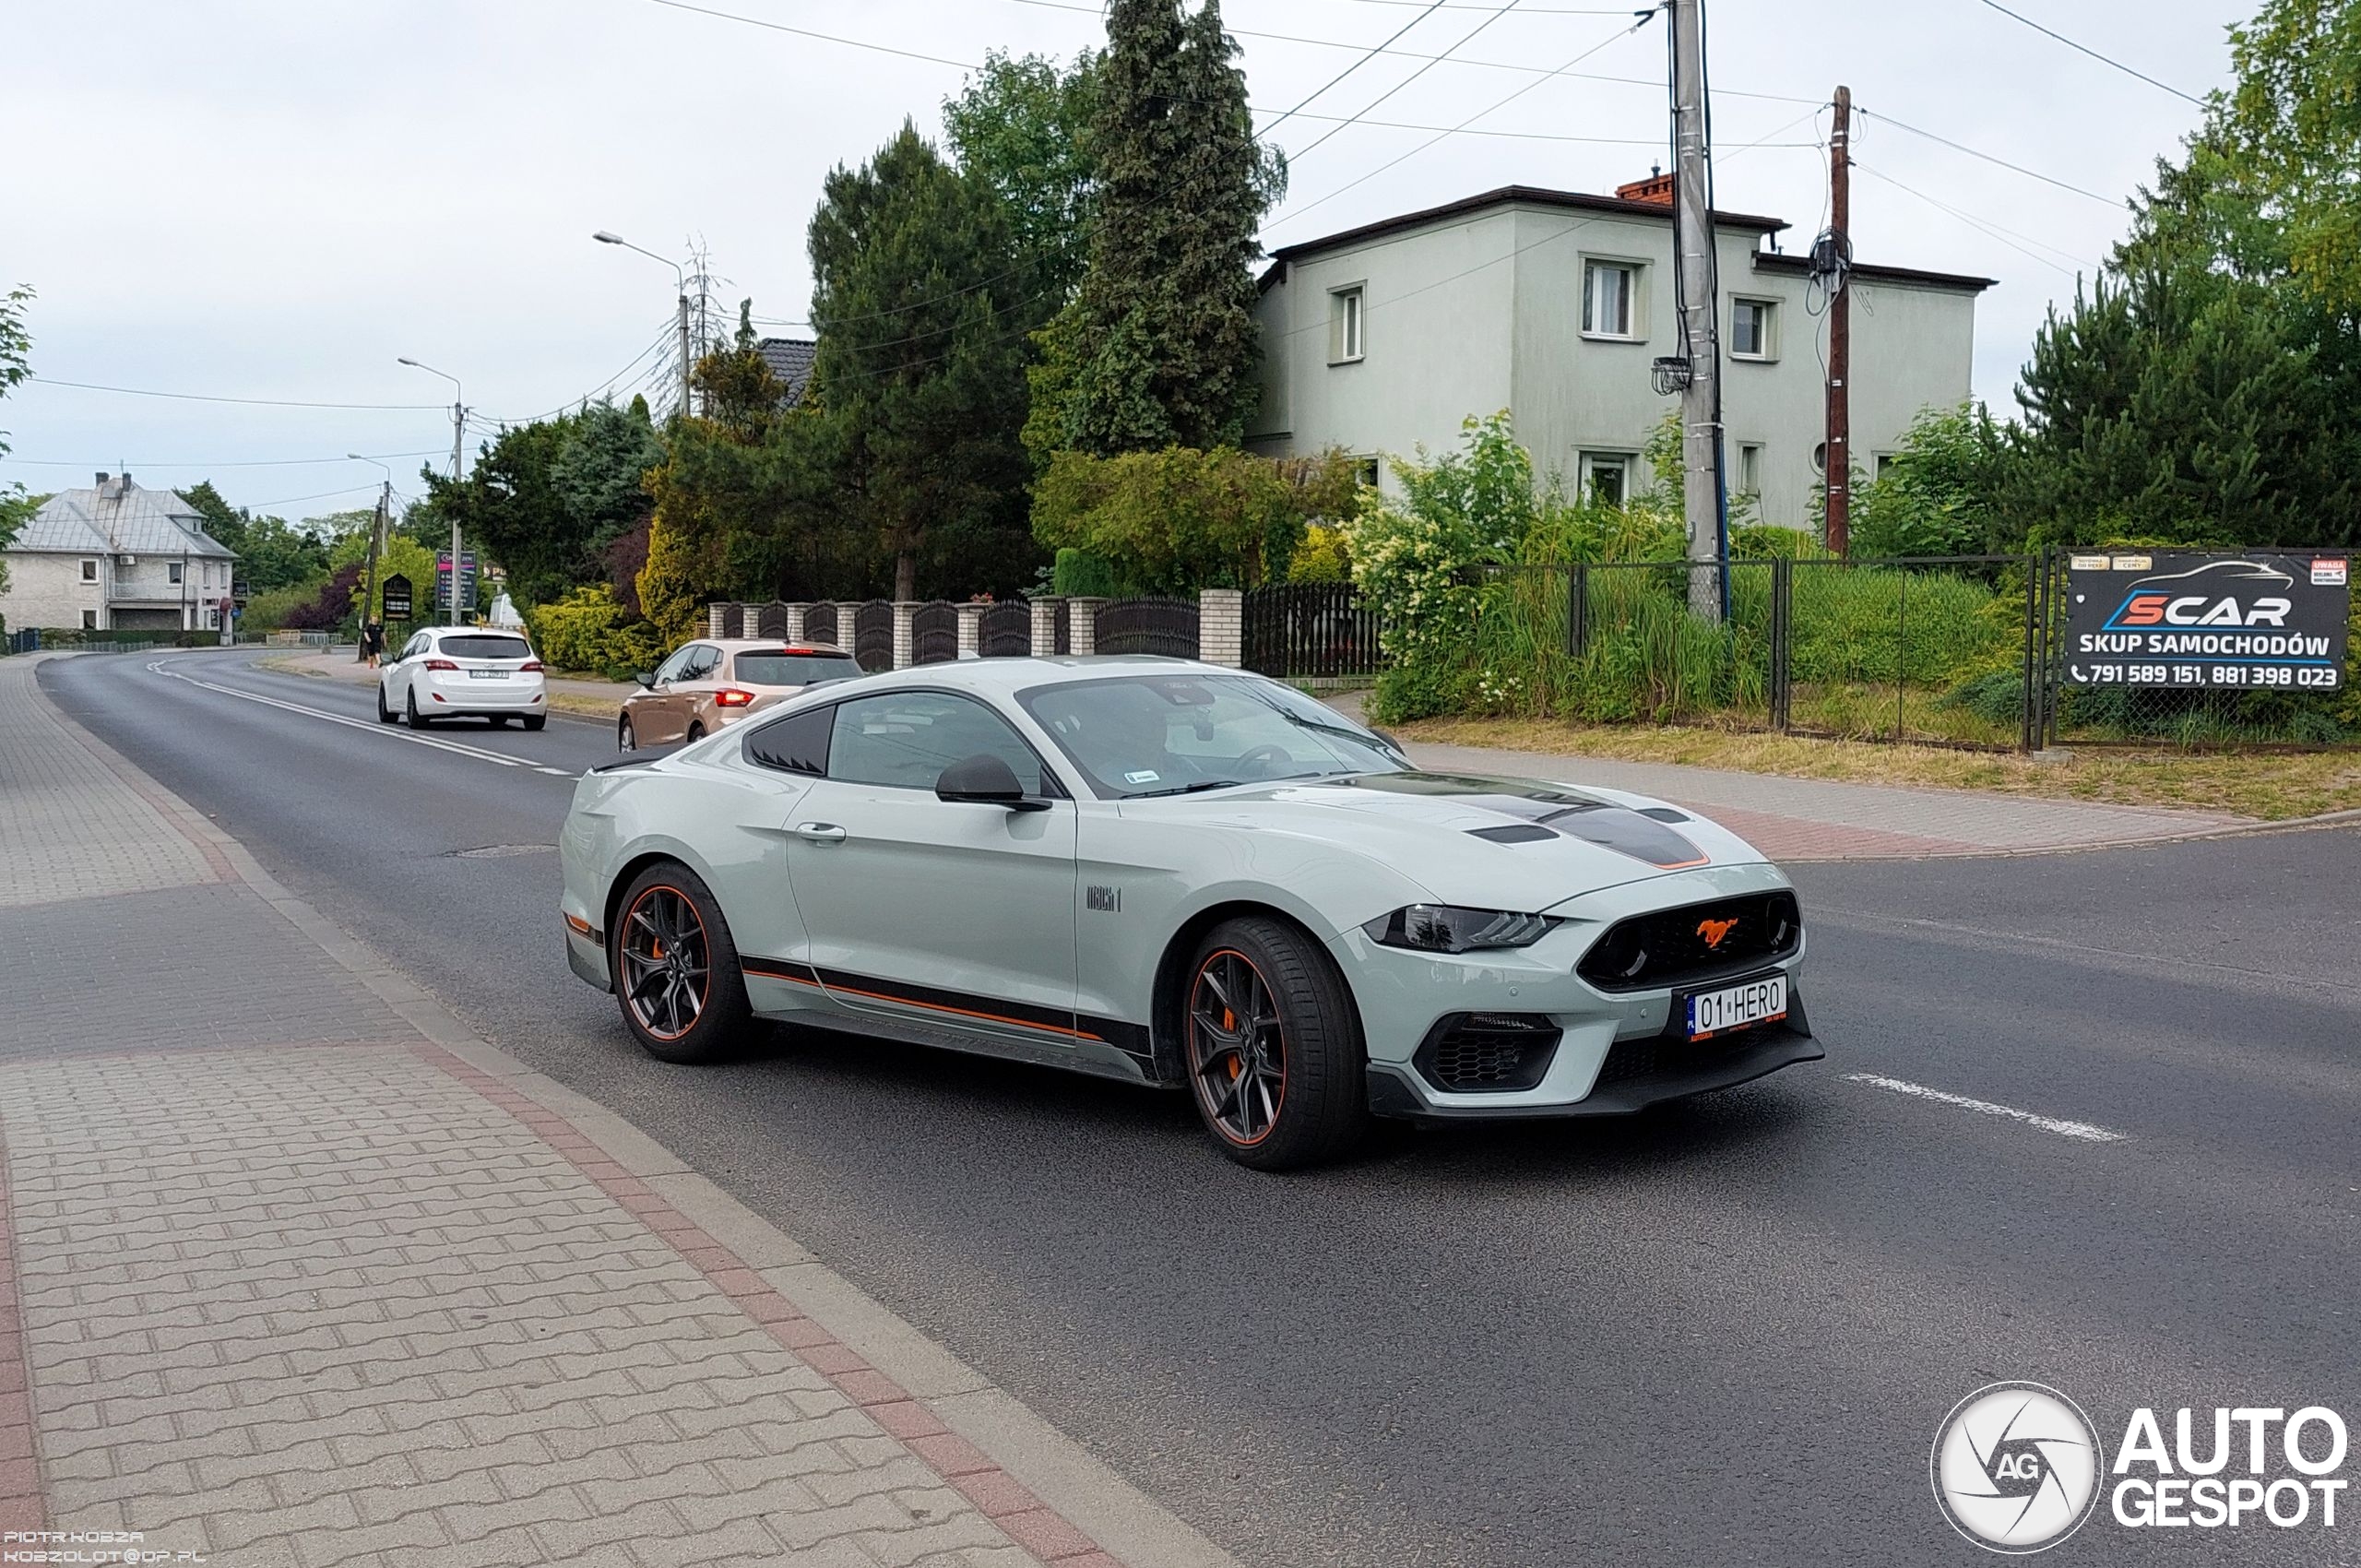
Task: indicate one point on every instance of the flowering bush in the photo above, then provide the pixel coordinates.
(587, 630)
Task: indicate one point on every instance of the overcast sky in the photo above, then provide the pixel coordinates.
(278, 198)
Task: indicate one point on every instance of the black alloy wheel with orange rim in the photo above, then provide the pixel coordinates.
(1273, 1045)
(1238, 1049)
(675, 968)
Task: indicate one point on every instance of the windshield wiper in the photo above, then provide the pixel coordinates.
(1189, 789)
(1355, 736)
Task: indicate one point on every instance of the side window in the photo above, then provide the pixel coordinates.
(798, 743)
(413, 649)
(906, 739)
(707, 660)
(675, 668)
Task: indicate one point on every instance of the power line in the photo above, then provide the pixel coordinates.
(251, 402)
(248, 463)
(1502, 103)
(2085, 49)
(322, 495)
(2007, 237)
(1433, 6)
(1961, 146)
(1338, 130)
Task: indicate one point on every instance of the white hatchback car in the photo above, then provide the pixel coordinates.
(463, 672)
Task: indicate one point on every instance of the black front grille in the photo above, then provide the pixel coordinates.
(1487, 1053)
(1628, 1060)
(1703, 942)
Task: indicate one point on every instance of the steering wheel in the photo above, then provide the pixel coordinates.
(1264, 754)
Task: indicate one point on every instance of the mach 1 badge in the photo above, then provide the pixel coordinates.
(2264, 621)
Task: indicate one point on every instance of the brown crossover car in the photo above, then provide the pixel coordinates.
(717, 681)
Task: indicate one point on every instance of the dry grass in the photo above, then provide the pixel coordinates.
(2272, 787)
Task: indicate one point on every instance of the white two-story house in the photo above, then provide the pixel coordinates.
(1553, 305)
(116, 557)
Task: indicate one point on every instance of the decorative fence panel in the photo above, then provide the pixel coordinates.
(1007, 630)
(1165, 626)
(770, 621)
(1310, 631)
(1063, 642)
(872, 634)
(820, 623)
(934, 633)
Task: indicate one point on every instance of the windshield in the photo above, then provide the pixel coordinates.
(479, 646)
(777, 667)
(1169, 734)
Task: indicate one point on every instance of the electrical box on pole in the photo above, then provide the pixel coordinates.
(1694, 266)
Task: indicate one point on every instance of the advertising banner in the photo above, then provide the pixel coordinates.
(2259, 621)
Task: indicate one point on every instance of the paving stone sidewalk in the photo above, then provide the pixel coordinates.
(283, 1281)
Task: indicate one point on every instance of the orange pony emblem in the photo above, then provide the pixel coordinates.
(1714, 930)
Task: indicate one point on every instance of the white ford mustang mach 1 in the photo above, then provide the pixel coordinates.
(1175, 874)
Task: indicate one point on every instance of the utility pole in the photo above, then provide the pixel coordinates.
(686, 364)
(1694, 259)
(1837, 452)
(458, 445)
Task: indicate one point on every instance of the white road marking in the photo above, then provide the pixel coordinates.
(2082, 1130)
(371, 727)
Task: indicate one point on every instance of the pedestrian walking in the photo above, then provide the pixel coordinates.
(373, 641)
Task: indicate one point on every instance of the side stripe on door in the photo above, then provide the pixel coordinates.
(1127, 1037)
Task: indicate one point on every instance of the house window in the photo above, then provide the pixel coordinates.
(1754, 329)
(90, 620)
(1820, 457)
(1610, 294)
(212, 623)
(1347, 309)
(175, 571)
(1749, 468)
(90, 571)
(1887, 462)
(1365, 472)
(1606, 477)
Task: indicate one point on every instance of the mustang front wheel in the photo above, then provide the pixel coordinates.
(675, 967)
(1273, 1045)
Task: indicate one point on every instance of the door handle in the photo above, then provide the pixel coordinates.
(820, 832)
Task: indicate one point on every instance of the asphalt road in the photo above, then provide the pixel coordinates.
(1721, 1333)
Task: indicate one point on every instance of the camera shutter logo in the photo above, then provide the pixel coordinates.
(2016, 1467)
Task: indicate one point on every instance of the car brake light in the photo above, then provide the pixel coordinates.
(730, 696)
(440, 664)
(533, 665)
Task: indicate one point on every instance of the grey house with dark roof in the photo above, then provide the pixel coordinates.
(1553, 305)
(116, 557)
(790, 360)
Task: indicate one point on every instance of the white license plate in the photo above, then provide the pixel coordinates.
(487, 674)
(1737, 1006)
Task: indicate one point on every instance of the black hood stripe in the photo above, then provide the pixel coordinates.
(1568, 811)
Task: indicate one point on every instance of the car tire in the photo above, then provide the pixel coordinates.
(537, 720)
(696, 732)
(411, 714)
(1287, 1088)
(675, 968)
(626, 737)
(385, 714)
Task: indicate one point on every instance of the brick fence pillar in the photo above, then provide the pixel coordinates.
(1045, 627)
(905, 633)
(848, 623)
(717, 619)
(971, 630)
(1221, 628)
(1082, 632)
(749, 620)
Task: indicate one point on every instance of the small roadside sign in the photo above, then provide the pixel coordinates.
(397, 597)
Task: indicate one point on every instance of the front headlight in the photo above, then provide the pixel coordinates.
(1446, 928)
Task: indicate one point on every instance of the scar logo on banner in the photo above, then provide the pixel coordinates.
(2232, 623)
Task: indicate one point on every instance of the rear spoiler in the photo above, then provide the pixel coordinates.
(634, 759)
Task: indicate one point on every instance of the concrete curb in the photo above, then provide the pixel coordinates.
(1125, 1521)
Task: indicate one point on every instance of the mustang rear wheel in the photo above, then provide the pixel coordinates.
(1275, 1054)
(675, 967)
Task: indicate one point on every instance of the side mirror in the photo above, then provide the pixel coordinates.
(646, 679)
(985, 779)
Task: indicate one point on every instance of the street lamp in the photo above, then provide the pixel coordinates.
(681, 280)
(459, 442)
